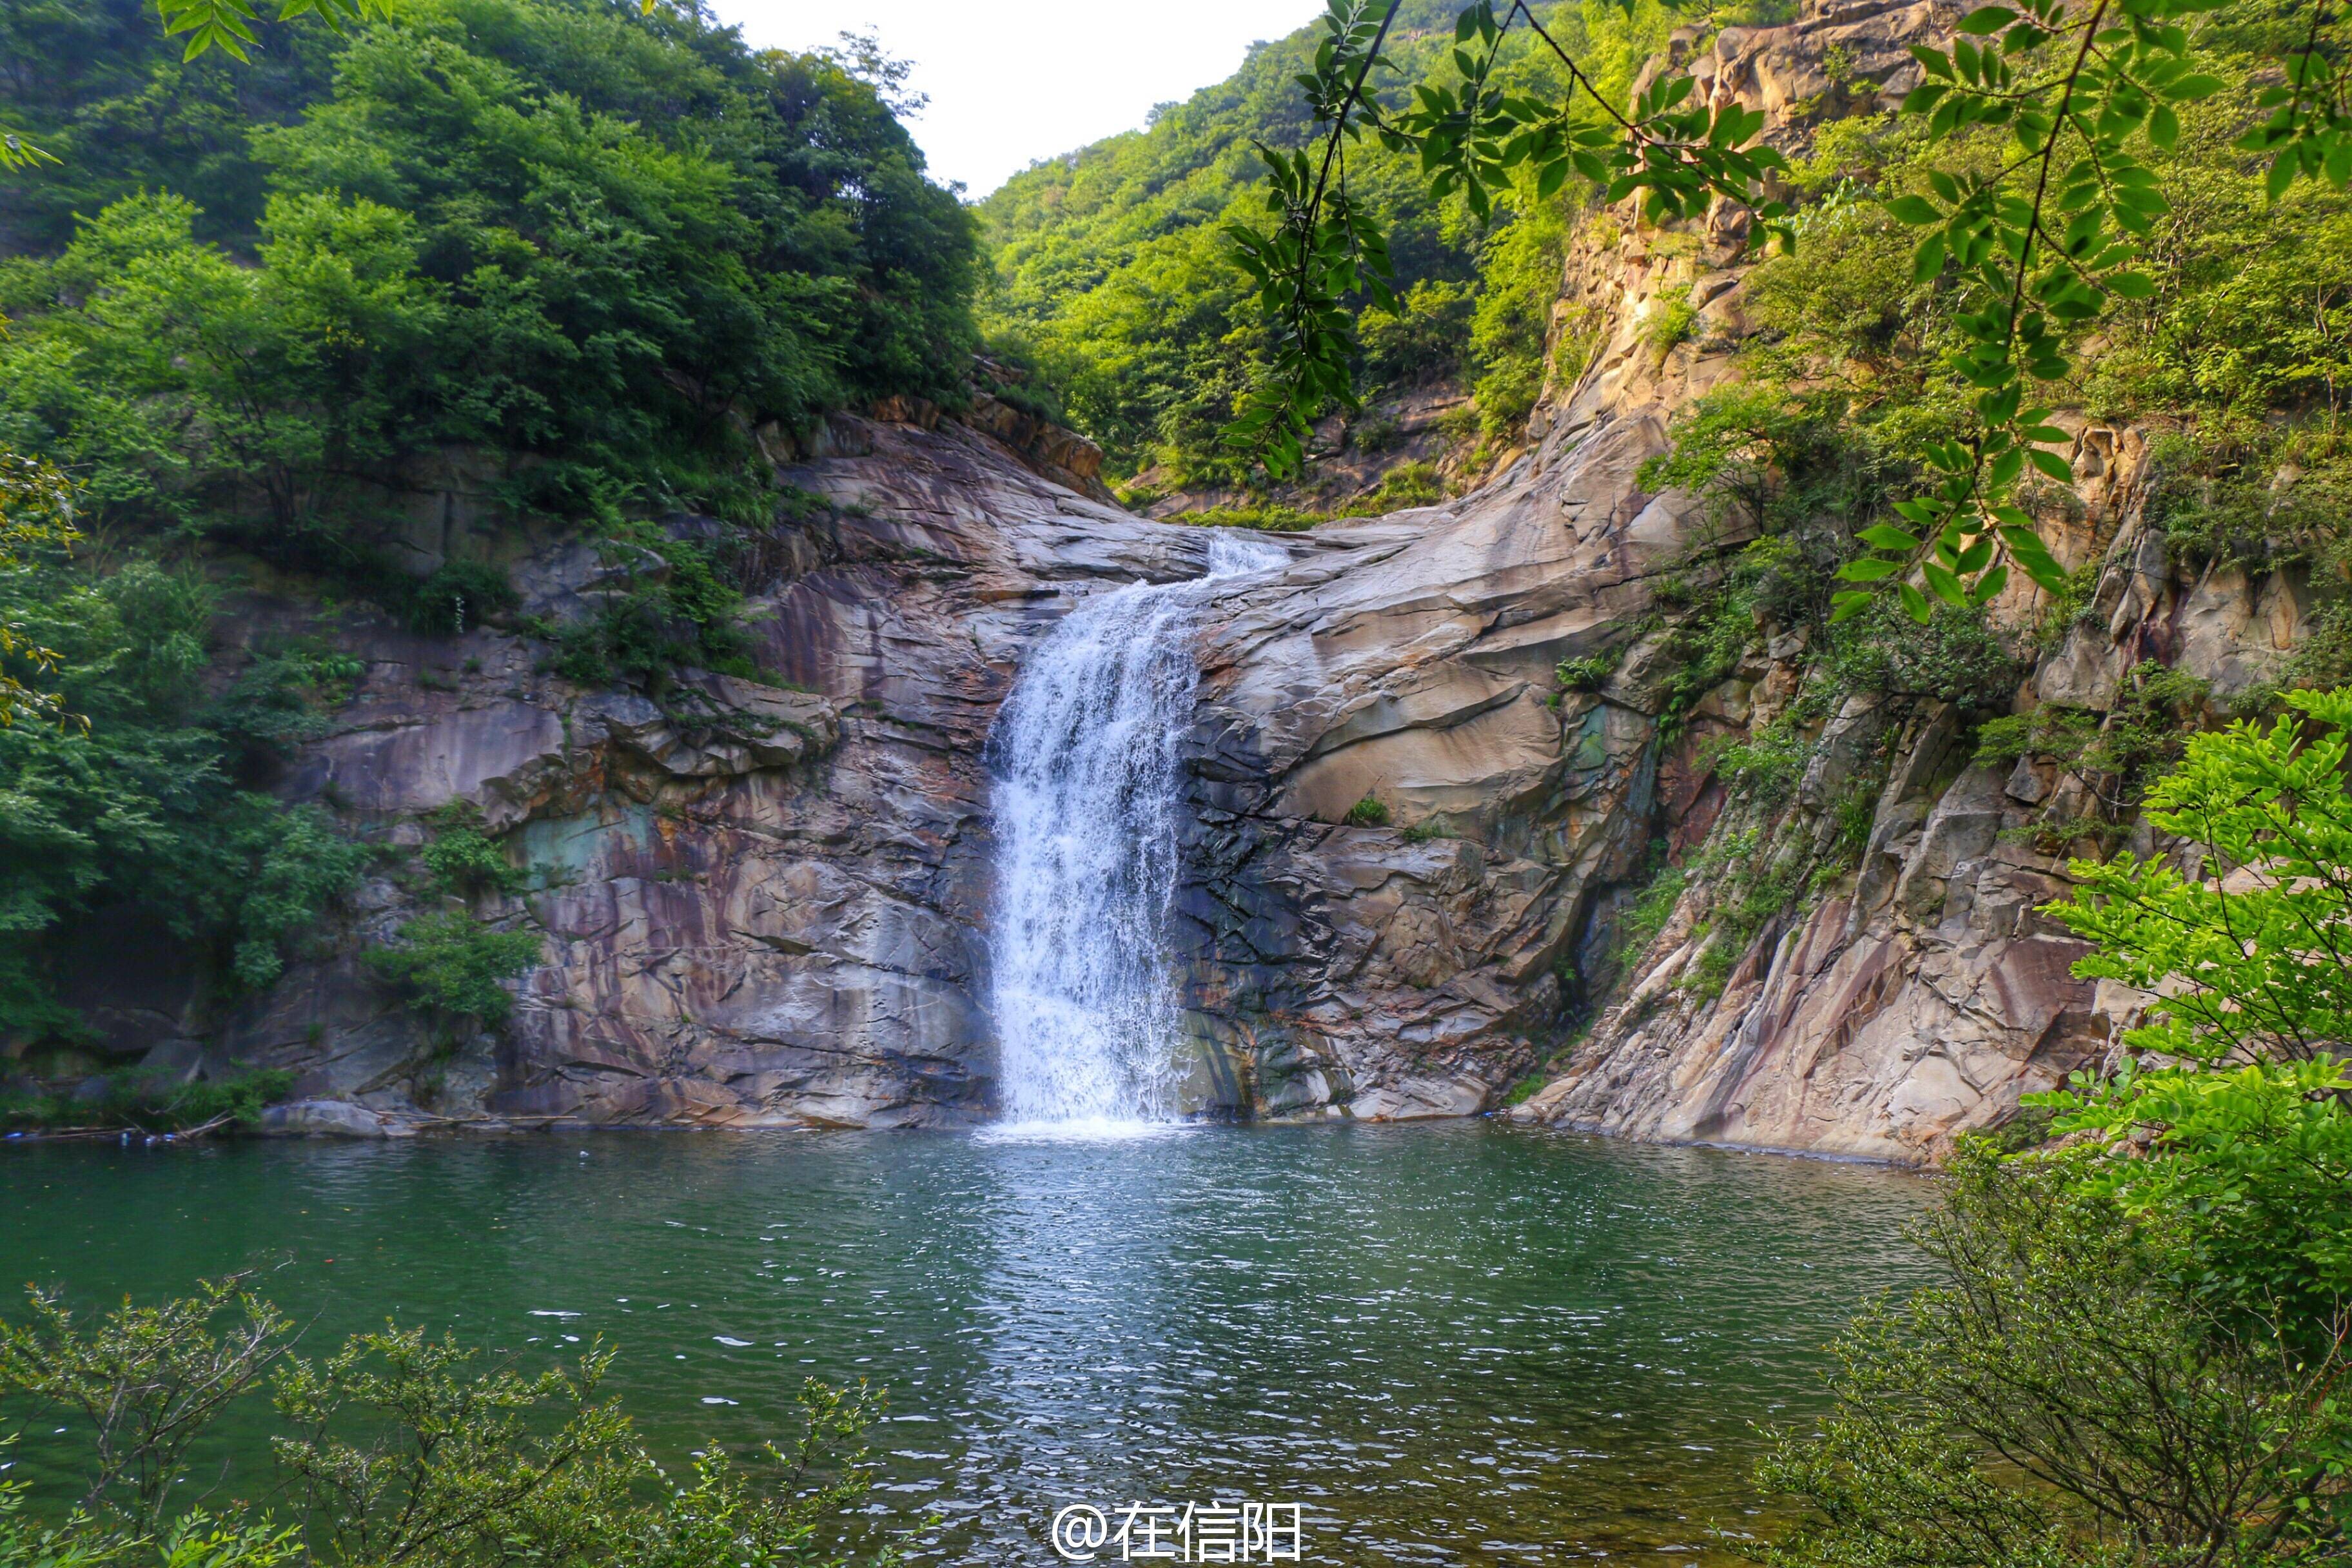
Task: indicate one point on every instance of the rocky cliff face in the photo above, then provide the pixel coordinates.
(1410, 853)
(758, 904)
(1417, 967)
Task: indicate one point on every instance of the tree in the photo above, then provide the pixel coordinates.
(2236, 1084)
(403, 1452)
(1325, 247)
(2032, 243)
(2142, 1356)
(148, 1380)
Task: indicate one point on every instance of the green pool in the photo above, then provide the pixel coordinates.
(1459, 1342)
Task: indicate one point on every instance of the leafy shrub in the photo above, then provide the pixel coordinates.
(1374, 432)
(299, 864)
(679, 609)
(462, 859)
(1406, 485)
(1368, 811)
(1527, 1089)
(1766, 767)
(1639, 923)
(396, 1448)
(2130, 1428)
(1270, 519)
(283, 697)
(1769, 578)
(1958, 657)
(1590, 673)
(132, 1097)
(454, 963)
(1751, 880)
(2155, 711)
(1668, 329)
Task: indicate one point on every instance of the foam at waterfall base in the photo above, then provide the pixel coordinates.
(1084, 1129)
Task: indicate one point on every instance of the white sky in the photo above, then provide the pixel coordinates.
(1013, 81)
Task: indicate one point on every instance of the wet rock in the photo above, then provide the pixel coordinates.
(321, 1119)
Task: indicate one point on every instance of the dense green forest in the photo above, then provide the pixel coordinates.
(594, 249)
(1113, 275)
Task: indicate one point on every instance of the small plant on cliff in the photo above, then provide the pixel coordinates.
(1959, 656)
(1368, 811)
(1668, 330)
(284, 696)
(464, 860)
(1766, 766)
(455, 964)
(677, 609)
(2145, 727)
(1590, 673)
(1753, 878)
(459, 596)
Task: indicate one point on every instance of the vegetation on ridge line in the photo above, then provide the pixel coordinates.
(2029, 242)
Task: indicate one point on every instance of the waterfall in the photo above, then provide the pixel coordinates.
(1086, 781)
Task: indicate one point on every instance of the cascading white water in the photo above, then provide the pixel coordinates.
(1084, 762)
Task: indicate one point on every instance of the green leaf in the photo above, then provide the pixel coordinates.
(1914, 602)
(1933, 61)
(1887, 536)
(1850, 604)
(2282, 175)
(1914, 210)
(1946, 588)
(1869, 569)
(2025, 547)
(1930, 261)
(1986, 19)
(2051, 464)
(1988, 585)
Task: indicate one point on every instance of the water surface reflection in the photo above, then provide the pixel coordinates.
(1452, 1342)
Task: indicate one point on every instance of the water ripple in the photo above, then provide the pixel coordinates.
(1450, 1343)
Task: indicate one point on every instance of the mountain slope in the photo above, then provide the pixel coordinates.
(1110, 273)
